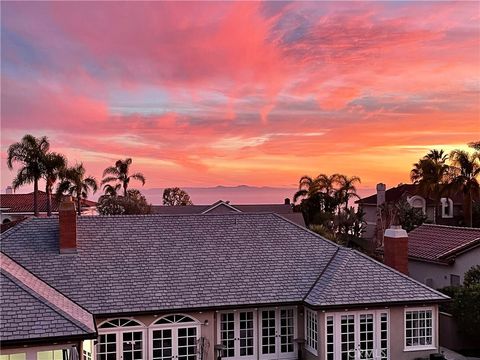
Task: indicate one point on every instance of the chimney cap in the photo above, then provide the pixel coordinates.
(381, 186)
(396, 231)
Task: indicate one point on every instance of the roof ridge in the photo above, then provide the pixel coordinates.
(17, 271)
(450, 227)
(399, 273)
(321, 273)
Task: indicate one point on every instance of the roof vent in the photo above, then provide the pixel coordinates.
(68, 226)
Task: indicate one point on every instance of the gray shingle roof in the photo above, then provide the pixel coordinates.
(31, 309)
(154, 262)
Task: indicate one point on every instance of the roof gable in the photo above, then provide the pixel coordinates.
(33, 309)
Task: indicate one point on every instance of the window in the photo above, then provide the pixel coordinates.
(418, 329)
(454, 280)
(447, 207)
(357, 335)
(18, 356)
(311, 331)
(51, 355)
(429, 282)
(87, 350)
(121, 339)
(418, 202)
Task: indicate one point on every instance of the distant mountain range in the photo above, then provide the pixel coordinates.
(241, 194)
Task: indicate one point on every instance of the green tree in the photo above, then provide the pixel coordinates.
(472, 276)
(176, 197)
(465, 169)
(132, 204)
(53, 165)
(30, 153)
(120, 173)
(430, 173)
(74, 182)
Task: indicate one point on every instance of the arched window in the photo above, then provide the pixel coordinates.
(447, 207)
(121, 338)
(175, 319)
(418, 202)
(175, 336)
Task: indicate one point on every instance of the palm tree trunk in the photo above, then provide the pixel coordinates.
(79, 210)
(48, 190)
(35, 197)
(125, 189)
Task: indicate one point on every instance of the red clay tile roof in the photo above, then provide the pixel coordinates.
(439, 243)
(20, 203)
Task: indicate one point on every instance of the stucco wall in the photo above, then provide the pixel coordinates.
(440, 274)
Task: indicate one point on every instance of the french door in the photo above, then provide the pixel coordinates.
(125, 345)
(174, 343)
(237, 333)
(277, 333)
(357, 335)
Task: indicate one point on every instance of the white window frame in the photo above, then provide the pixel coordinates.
(414, 198)
(337, 330)
(311, 314)
(278, 354)
(118, 331)
(444, 202)
(174, 328)
(434, 331)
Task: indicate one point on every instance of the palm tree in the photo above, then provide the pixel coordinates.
(430, 173)
(120, 173)
(30, 152)
(465, 171)
(111, 190)
(348, 190)
(53, 164)
(76, 184)
(306, 188)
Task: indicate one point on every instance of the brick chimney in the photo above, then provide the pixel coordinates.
(395, 248)
(9, 190)
(68, 225)
(287, 201)
(380, 201)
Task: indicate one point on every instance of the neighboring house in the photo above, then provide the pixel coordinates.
(18, 206)
(448, 213)
(440, 255)
(191, 287)
(223, 207)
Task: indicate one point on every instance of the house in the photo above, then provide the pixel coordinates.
(221, 207)
(439, 255)
(448, 213)
(18, 206)
(240, 285)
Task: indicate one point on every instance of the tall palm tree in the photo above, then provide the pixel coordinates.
(430, 173)
(120, 173)
(30, 153)
(465, 172)
(75, 183)
(347, 189)
(111, 190)
(53, 164)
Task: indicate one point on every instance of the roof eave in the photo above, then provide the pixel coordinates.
(47, 340)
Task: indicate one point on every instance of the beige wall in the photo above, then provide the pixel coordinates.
(440, 274)
(396, 331)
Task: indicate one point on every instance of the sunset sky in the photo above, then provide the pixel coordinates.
(206, 94)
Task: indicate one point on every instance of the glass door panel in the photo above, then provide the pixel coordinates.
(132, 345)
(187, 343)
(286, 330)
(347, 325)
(227, 334)
(366, 336)
(162, 344)
(246, 333)
(107, 347)
(268, 335)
